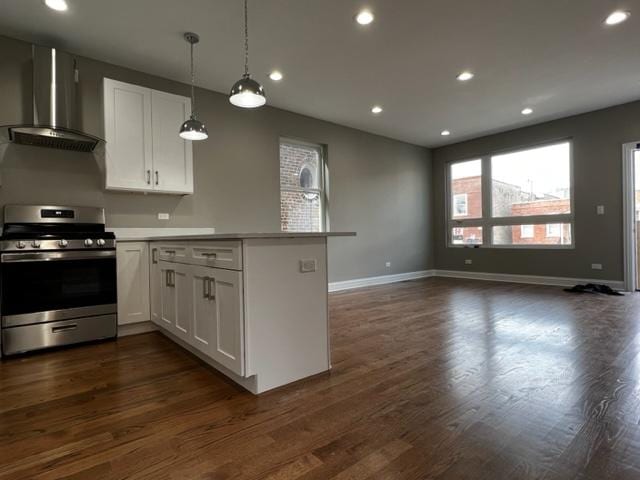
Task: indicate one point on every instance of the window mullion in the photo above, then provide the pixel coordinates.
(486, 201)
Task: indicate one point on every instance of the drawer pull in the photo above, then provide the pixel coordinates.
(64, 328)
(214, 255)
(212, 287)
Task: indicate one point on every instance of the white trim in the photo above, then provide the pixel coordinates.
(136, 328)
(381, 280)
(628, 212)
(492, 277)
(529, 279)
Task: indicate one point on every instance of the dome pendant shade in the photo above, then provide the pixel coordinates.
(247, 93)
(193, 129)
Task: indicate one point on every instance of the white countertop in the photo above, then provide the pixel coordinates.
(177, 234)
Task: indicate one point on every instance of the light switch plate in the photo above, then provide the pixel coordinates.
(163, 216)
(308, 265)
(387, 264)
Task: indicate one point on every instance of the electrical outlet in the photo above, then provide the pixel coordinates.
(468, 261)
(308, 265)
(163, 216)
(596, 266)
(600, 209)
(387, 264)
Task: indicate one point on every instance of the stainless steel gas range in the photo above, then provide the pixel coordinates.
(58, 277)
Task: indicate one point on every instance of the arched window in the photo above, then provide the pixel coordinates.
(306, 177)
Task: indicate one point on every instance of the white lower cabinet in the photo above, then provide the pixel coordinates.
(202, 306)
(133, 282)
(217, 315)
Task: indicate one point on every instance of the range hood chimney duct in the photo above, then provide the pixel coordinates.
(55, 116)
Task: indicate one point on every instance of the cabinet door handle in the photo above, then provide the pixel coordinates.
(148, 177)
(205, 287)
(166, 280)
(173, 278)
(212, 288)
(154, 255)
(157, 177)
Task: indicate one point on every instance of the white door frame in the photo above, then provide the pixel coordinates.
(628, 212)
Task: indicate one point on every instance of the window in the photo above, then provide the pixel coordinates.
(460, 208)
(302, 198)
(554, 229)
(526, 231)
(545, 234)
(466, 189)
(531, 184)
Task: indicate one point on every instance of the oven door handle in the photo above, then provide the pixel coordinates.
(56, 256)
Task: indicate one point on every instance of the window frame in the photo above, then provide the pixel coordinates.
(323, 179)
(487, 221)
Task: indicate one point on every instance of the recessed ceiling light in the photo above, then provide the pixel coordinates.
(445, 133)
(276, 76)
(376, 109)
(365, 17)
(617, 17)
(59, 5)
(465, 76)
(527, 111)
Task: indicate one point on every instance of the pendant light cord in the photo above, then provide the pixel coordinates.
(193, 80)
(246, 39)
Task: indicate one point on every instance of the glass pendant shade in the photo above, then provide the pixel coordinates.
(193, 129)
(247, 93)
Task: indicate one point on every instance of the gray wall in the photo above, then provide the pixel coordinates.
(380, 188)
(597, 154)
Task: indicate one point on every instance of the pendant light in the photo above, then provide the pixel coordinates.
(193, 129)
(246, 92)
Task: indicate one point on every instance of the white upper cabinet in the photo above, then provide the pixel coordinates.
(172, 156)
(144, 151)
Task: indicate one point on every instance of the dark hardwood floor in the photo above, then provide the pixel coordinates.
(438, 378)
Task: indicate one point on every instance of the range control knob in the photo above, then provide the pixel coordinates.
(63, 243)
(20, 244)
(88, 242)
(35, 244)
(101, 242)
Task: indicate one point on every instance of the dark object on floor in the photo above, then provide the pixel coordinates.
(593, 288)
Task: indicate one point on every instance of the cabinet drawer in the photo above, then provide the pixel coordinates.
(219, 254)
(173, 253)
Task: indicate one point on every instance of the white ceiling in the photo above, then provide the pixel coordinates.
(553, 55)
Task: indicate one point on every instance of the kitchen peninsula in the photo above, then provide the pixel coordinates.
(251, 305)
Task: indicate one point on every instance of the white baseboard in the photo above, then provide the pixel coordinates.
(381, 280)
(136, 328)
(530, 279)
(493, 277)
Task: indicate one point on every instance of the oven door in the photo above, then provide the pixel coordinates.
(48, 286)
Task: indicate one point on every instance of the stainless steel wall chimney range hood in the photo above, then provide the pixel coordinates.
(55, 117)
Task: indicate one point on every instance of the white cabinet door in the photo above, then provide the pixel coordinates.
(204, 312)
(175, 301)
(155, 285)
(133, 282)
(181, 284)
(168, 301)
(128, 133)
(226, 295)
(172, 156)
